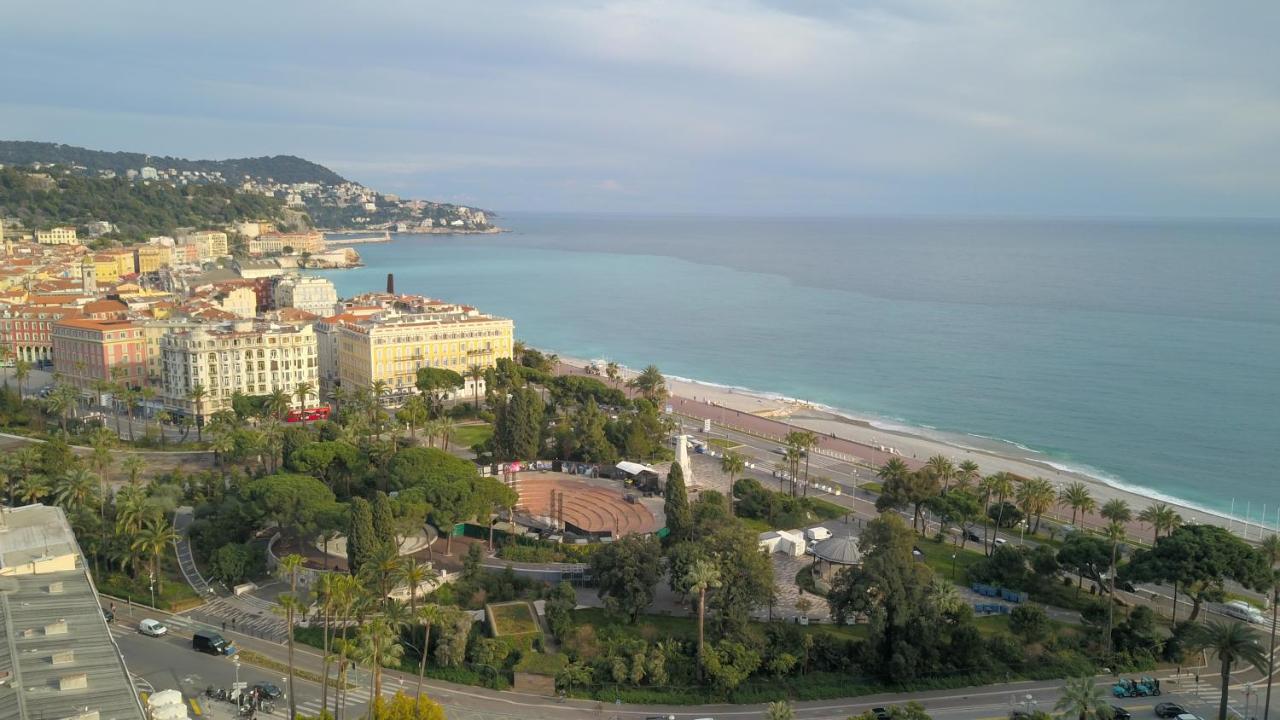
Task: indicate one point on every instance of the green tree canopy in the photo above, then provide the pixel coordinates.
(295, 502)
(626, 572)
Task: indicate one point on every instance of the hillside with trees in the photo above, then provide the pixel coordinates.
(138, 210)
(280, 168)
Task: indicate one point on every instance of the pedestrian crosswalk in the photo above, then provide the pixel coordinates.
(355, 697)
(246, 614)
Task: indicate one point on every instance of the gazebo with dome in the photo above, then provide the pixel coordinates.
(833, 555)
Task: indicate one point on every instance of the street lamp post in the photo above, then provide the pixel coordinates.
(953, 567)
(151, 576)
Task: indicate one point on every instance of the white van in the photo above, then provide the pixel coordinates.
(1242, 610)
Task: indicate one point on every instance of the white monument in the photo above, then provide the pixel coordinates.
(682, 457)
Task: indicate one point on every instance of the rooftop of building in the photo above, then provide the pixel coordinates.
(56, 652)
(91, 324)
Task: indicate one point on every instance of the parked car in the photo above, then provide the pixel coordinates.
(1119, 713)
(1169, 710)
(1189, 716)
(880, 713)
(270, 691)
(108, 615)
(152, 628)
(972, 536)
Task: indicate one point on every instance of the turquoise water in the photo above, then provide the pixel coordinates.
(1143, 352)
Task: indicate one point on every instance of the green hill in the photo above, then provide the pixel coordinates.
(138, 210)
(281, 168)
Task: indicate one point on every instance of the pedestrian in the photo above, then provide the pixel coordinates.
(224, 626)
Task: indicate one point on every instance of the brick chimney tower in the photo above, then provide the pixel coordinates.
(391, 283)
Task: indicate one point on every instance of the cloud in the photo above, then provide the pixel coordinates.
(808, 106)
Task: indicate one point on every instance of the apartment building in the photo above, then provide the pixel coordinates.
(391, 347)
(86, 351)
(26, 333)
(274, 243)
(313, 294)
(150, 258)
(245, 356)
(65, 235)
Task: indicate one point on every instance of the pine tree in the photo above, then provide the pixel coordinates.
(676, 506)
(383, 520)
(362, 541)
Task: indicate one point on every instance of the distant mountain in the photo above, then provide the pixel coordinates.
(286, 169)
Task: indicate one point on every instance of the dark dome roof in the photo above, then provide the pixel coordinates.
(840, 549)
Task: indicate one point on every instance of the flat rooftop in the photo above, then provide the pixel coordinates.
(57, 657)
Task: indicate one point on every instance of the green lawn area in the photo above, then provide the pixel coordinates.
(938, 557)
(541, 663)
(723, 444)
(513, 618)
(686, 628)
(468, 435)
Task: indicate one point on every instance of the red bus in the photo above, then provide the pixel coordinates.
(308, 414)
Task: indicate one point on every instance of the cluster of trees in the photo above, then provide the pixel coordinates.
(137, 210)
(538, 415)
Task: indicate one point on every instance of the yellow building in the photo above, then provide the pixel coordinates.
(65, 235)
(105, 268)
(392, 347)
(150, 258)
(211, 243)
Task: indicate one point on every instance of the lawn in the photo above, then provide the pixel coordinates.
(686, 628)
(513, 618)
(471, 434)
(723, 444)
(938, 557)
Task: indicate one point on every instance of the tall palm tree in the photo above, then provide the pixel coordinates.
(1161, 518)
(348, 597)
(303, 391)
(151, 542)
(967, 474)
(76, 489)
(413, 414)
(446, 430)
(1116, 510)
(1077, 497)
(650, 383)
(288, 568)
(732, 464)
(893, 469)
(943, 469)
(1035, 497)
(33, 488)
(1232, 642)
(277, 403)
(197, 395)
(1115, 534)
(61, 402)
(289, 605)
(21, 371)
(613, 372)
(146, 394)
(1084, 699)
(378, 647)
(703, 575)
(475, 374)
(129, 396)
(804, 441)
(132, 510)
(428, 615)
(994, 487)
(1271, 551)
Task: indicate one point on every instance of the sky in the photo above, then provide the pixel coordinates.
(1150, 108)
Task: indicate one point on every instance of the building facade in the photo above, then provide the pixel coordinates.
(65, 235)
(87, 351)
(247, 357)
(274, 243)
(210, 244)
(313, 294)
(26, 333)
(392, 348)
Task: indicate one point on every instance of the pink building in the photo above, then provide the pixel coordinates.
(85, 351)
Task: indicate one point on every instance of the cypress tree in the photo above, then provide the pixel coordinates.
(384, 521)
(362, 541)
(676, 506)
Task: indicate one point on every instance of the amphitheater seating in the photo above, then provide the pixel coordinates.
(588, 507)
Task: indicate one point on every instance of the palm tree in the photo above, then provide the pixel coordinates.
(100, 388)
(1084, 699)
(196, 395)
(804, 441)
(1232, 642)
(428, 615)
(967, 474)
(475, 374)
(163, 418)
(21, 371)
(61, 402)
(997, 487)
(943, 469)
(412, 574)
(413, 414)
(1077, 497)
(378, 647)
(146, 394)
(151, 541)
(1116, 510)
(130, 398)
(446, 429)
(33, 488)
(348, 596)
(651, 384)
(277, 403)
(894, 469)
(1036, 496)
(613, 372)
(732, 464)
(132, 510)
(288, 567)
(289, 605)
(302, 391)
(1115, 533)
(75, 489)
(1161, 518)
(702, 576)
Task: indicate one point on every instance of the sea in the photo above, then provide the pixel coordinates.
(1143, 352)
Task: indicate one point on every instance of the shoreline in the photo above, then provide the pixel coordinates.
(876, 440)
